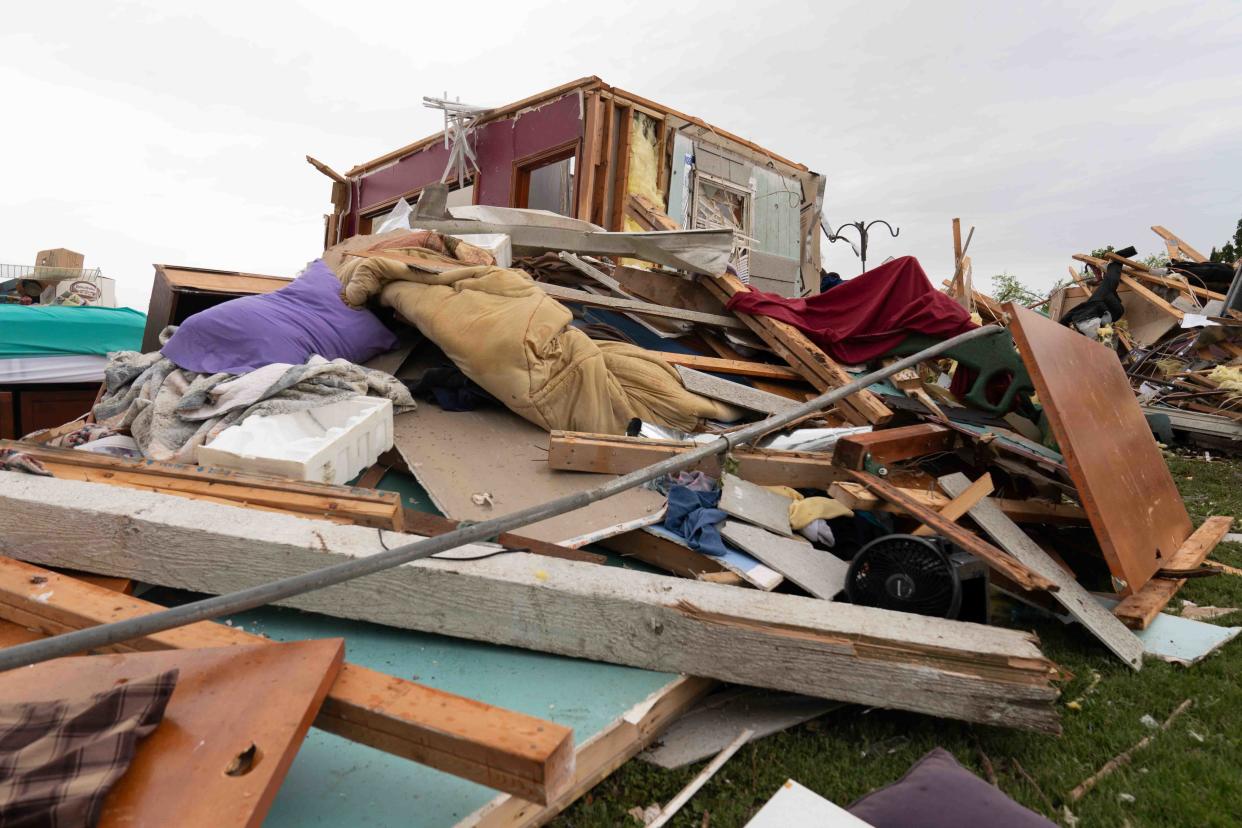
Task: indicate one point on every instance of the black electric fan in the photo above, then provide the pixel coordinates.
(908, 574)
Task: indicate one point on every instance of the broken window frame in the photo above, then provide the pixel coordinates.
(524, 167)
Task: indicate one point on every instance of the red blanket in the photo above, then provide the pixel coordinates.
(867, 316)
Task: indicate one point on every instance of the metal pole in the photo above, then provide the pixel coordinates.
(257, 596)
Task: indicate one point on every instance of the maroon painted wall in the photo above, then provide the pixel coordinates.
(498, 145)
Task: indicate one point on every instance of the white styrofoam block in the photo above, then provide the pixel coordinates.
(328, 444)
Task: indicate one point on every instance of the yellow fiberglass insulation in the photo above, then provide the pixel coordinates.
(644, 173)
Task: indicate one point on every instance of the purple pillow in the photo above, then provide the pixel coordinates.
(937, 792)
(289, 325)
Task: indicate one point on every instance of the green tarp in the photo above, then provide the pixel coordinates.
(56, 330)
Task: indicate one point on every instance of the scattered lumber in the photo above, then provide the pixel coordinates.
(844, 652)
(857, 497)
(1140, 608)
(343, 504)
(498, 748)
(609, 454)
(993, 557)
(803, 356)
(1070, 594)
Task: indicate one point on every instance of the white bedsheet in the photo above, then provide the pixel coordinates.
(81, 368)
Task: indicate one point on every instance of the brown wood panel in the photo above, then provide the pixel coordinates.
(227, 702)
(1124, 484)
(47, 407)
(8, 417)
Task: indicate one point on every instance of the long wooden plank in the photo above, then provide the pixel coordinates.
(1121, 476)
(495, 747)
(602, 453)
(815, 366)
(1071, 595)
(856, 497)
(227, 702)
(973, 544)
(733, 393)
(890, 445)
(738, 367)
(845, 652)
(1139, 609)
(595, 300)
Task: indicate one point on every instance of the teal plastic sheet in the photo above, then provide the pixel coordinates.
(58, 330)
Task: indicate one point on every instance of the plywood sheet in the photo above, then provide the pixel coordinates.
(226, 701)
(1125, 486)
(459, 454)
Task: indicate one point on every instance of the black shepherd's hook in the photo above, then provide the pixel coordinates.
(864, 231)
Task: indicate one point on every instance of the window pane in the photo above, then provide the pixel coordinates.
(552, 187)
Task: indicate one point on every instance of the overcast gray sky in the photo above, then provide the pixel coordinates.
(175, 132)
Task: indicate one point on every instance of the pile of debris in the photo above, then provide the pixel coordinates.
(818, 496)
(1178, 331)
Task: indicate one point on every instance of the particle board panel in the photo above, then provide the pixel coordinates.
(1125, 486)
(458, 455)
(227, 701)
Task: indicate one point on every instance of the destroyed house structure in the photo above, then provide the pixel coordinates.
(590, 151)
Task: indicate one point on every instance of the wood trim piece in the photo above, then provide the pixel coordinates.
(989, 554)
(490, 745)
(802, 355)
(961, 503)
(1172, 241)
(608, 454)
(804, 645)
(1138, 610)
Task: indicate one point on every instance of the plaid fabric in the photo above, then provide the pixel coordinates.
(59, 759)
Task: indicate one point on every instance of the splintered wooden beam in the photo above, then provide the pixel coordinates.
(606, 454)
(1138, 610)
(857, 497)
(891, 445)
(785, 642)
(989, 554)
(803, 355)
(495, 747)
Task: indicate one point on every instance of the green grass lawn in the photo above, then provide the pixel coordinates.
(1189, 775)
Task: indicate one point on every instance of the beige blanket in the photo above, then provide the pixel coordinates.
(507, 335)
